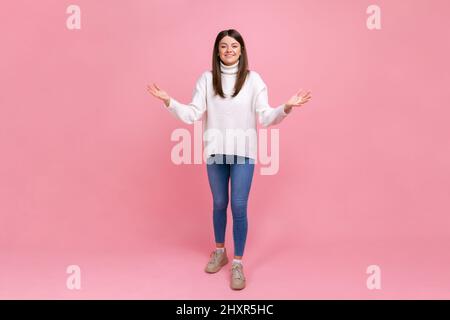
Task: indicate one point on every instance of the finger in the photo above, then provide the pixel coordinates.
(300, 104)
(156, 86)
(307, 94)
(306, 99)
(303, 101)
(151, 90)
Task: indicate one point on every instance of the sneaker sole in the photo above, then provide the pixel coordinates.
(237, 288)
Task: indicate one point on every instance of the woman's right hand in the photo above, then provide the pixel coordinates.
(158, 93)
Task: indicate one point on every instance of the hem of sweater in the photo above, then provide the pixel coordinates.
(250, 156)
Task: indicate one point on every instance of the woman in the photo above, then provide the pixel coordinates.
(230, 96)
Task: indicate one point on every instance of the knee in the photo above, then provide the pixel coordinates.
(239, 208)
(220, 203)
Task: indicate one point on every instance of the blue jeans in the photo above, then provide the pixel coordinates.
(240, 169)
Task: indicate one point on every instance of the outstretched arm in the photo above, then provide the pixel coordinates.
(270, 116)
(266, 114)
(188, 113)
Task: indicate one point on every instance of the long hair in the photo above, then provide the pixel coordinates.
(242, 65)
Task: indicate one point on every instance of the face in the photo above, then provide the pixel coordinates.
(229, 50)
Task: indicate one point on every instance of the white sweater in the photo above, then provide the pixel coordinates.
(229, 125)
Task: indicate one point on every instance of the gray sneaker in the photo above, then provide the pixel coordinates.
(217, 261)
(237, 277)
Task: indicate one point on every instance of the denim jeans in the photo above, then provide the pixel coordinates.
(222, 168)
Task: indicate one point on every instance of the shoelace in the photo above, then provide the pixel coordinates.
(214, 256)
(236, 270)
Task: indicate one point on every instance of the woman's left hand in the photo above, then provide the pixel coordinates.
(298, 100)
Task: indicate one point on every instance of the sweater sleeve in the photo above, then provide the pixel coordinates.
(266, 114)
(189, 113)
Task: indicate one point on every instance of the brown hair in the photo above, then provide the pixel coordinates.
(242, 66)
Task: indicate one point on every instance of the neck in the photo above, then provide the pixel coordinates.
(231, 69)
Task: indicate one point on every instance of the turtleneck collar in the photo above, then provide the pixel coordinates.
(232, 69)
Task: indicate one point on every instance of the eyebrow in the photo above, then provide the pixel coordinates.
(232, 43)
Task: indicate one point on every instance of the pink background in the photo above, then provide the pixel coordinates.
(86, 175)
